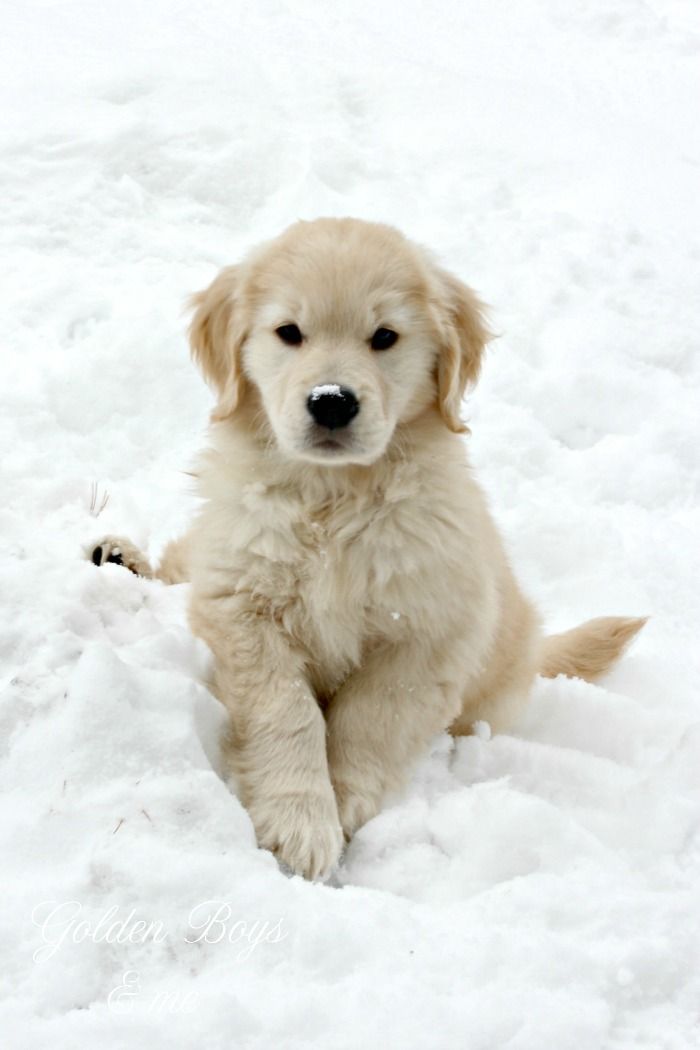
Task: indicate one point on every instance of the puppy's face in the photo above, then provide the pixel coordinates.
(345, 330)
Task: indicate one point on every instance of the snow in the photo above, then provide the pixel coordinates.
(534, 889)
(324, 390)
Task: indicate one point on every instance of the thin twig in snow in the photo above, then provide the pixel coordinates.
(94, 493)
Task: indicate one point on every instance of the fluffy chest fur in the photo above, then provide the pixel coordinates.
(343, 564)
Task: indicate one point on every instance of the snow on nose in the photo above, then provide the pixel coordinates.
(332, 406)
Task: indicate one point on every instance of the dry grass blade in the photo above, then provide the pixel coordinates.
(96, 509)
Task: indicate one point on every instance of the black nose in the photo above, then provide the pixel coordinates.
(332, 406)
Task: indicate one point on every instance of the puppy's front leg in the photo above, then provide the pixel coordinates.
(277, 743)
(380, 722)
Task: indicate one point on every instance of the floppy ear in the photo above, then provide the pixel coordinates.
(465, 334)
(216, 339)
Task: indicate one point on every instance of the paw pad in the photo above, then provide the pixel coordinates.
(119, 552)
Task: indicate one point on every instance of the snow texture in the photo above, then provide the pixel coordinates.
(325, 390)
(536, 889)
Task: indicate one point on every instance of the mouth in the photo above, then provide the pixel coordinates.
(329, 445)
(323, 439)
(332, 447)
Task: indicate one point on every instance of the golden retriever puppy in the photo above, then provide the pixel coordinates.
(345, 570)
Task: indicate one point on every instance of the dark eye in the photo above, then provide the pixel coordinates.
(383, 338)
(290, 334)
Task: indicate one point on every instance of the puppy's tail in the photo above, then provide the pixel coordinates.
(590, 649)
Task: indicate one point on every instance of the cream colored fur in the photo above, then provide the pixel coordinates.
(357, 599)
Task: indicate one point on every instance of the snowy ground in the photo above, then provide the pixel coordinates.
(541, 889)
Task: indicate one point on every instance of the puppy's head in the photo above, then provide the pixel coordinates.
(345, 330)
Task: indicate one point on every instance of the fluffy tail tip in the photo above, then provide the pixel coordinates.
(589, 650)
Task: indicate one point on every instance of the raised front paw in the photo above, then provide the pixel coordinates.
(302, 830)
(119, 551)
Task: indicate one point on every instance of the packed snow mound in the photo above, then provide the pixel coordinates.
(533, 889)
